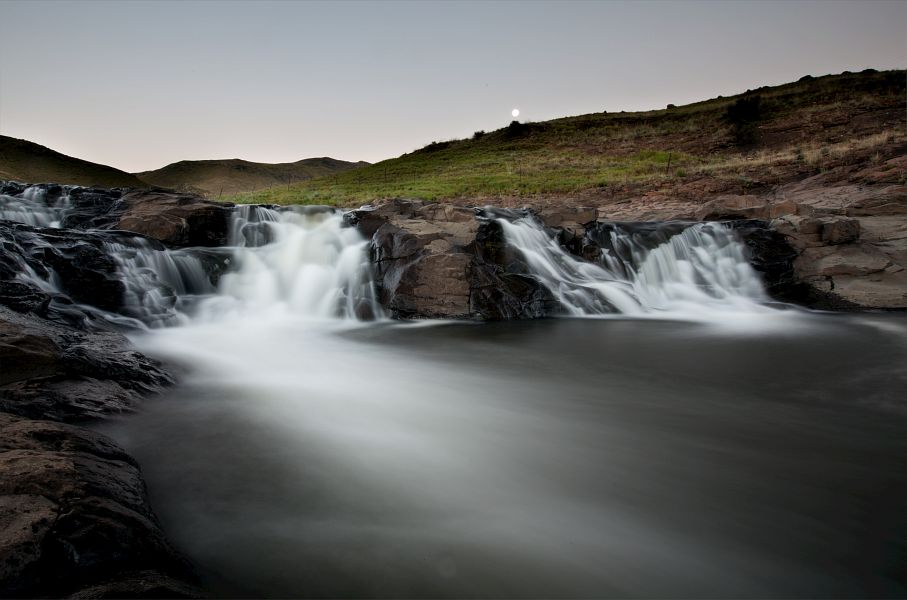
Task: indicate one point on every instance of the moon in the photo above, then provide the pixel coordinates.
(515, 112)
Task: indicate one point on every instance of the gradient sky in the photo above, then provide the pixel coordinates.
(138, 85)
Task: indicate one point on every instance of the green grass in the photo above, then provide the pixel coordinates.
(592, 151)
(464, 170)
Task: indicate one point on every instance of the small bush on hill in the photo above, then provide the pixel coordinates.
(744, 116)
(515, 129)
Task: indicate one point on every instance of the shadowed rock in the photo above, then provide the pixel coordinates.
(74, 512)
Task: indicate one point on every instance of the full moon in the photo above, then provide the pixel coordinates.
(515, 112)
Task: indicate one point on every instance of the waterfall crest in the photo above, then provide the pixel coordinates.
(298, 260)
(702, 268)
(303, 261)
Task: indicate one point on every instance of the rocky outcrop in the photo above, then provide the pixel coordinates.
(76, 519)
(73, 506)
(52, 371)
(174, 219)
(441, 261)
(851, 244)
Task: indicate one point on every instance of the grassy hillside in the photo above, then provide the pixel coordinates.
(232, 176)
(21, 160)
(764, 135)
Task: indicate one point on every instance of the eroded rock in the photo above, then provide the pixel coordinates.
(51, 371)
(439, 261)
(74, 511)
(174, 219)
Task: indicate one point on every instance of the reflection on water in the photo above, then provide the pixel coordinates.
(565, 458)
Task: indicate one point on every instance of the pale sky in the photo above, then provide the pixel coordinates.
(137, 85)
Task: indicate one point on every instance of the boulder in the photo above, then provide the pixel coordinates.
(439, 261)
(74, 511)
(174, 219)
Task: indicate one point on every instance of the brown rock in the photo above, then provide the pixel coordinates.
(845, 260)
(435, 287)
(840, 230)
(25, 354)
(175, 219)
(570, 217)
(74, 511)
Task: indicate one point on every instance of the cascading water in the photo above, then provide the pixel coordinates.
(303, 262)
(33, 208)
(699, 270)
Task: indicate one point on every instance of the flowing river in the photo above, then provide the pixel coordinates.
(674, 436)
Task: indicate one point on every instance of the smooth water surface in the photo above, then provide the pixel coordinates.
(560, 458)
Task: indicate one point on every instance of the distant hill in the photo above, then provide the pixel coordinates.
(233, 176)
(732, 145)
(21, 160)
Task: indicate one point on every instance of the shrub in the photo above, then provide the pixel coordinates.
(670, 106)
(744, 116)
(478, 134)
(515, 129)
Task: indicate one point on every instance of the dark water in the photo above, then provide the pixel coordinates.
(558, 458)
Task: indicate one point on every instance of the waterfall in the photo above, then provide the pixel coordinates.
(33, 208)
(701, 269)
(159, 283)
(299, 260)
(303, 260)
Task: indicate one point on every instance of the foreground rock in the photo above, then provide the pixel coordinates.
(51, 371)
(73, 507)
(76, 519)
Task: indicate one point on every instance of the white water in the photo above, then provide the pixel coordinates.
(302, 263)
(695, 273)
(32, 209)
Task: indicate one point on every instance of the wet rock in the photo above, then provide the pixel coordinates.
(51, 371)
(438, 261)
(772, 256)
(500, 284)
(25, 354)
(141, 584)
(174, 219)
(421, 270)
(89, 207)
(74, 511)
(83, 270)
